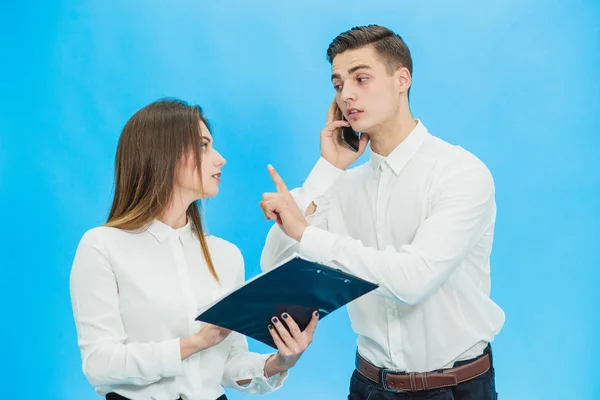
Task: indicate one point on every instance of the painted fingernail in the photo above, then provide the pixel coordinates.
(285, 315)
(270, 327)
(316, 313)
(275, 320)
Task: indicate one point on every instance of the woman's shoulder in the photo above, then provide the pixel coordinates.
(100, 233)
(104, 238)
(94, 245)
(227, 259)
(221, 246)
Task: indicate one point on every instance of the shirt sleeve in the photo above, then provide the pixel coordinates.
(316, 188)
(462, 210)
(106, 358)
(243, 365)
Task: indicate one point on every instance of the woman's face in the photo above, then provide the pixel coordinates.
(188, 176)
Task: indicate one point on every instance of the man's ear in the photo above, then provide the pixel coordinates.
(403, 79)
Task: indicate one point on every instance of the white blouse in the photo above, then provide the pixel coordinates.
(135, 294)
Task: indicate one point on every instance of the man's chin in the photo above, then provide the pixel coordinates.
(366, 127)
(362, 128)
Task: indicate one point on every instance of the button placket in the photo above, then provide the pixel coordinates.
(382, 195)
(183, 277)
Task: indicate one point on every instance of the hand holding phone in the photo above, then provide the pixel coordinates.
(338, 150)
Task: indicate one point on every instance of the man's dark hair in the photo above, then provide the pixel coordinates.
(389, 46)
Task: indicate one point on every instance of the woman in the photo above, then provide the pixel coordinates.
(138, 281)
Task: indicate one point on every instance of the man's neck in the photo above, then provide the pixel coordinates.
(388, 136)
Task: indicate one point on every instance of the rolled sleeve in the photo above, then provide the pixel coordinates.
(243, 365)
(255, 371)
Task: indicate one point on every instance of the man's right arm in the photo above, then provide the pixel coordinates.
(278, 245)
(335, 158)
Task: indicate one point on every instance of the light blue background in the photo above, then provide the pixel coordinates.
(514, 81)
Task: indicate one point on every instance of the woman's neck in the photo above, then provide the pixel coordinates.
(175, 214)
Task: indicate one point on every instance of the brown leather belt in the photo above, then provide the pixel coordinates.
(418, 381)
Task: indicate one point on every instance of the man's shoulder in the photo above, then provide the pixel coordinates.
(356, 174)
(358, 170)
(447, 155)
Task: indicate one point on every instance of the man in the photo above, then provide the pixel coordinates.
(417, 219)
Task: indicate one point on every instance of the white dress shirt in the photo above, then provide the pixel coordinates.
(419, 223)
(135, 294)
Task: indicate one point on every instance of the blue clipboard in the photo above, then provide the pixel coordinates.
(297, 287)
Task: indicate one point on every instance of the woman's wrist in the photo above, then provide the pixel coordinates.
(274, 366)
(190, 346)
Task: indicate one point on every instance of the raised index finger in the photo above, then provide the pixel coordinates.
(279, 183)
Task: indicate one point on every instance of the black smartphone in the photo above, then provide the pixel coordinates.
(350, 136)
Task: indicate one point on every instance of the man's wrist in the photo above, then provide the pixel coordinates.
(299, 236)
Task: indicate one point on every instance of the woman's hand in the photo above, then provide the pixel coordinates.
(207, 337)
(291, 344)
(211, 335)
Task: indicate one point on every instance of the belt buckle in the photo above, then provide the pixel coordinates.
(382, 373)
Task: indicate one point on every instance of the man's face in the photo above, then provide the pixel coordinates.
(365, 91)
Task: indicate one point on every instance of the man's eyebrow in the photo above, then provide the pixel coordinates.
(351, 71)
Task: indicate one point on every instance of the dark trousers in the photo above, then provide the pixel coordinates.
(115, 396)
(481, 388)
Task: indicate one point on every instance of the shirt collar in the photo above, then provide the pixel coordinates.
(162, 231)
(402, 154)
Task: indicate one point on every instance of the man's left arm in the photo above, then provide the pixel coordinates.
(462, 209)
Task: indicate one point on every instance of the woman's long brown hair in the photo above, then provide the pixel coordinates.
(151, 144)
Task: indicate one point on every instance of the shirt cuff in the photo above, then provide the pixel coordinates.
(170, 354)
(322, 176)
(274, 381)
(317, 244)
(260, 384)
